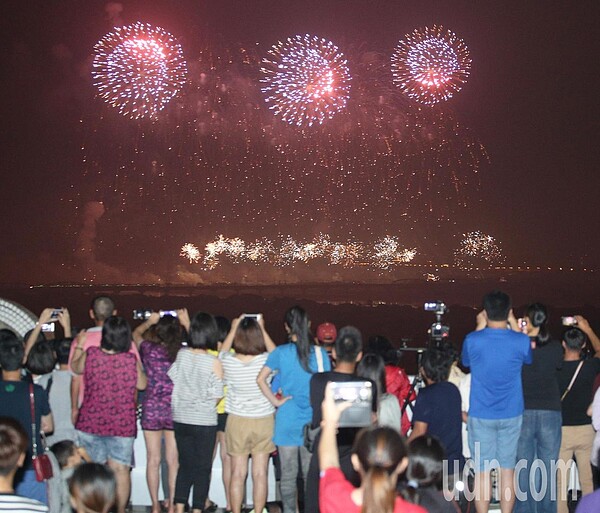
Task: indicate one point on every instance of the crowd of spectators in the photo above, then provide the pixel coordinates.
(201, 385)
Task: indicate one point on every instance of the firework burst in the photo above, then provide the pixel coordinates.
(138, 69)
(191, 252)
(477, 248)
(385, 254)
(306, 80)
(431, 65)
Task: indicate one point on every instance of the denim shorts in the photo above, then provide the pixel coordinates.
(494, 442)
(103, 448)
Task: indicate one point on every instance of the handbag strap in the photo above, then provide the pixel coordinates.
(572, 380)
(33, 430)
(319, 356)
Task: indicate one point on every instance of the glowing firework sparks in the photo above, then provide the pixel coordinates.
(477, 248)
(385, 254)
(306, 80)
(347, 255)
(138, 69)
(191, 252)
(383, 157)
(431, 65)
(260, 250)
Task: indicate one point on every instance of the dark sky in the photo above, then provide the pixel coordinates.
(531, 100)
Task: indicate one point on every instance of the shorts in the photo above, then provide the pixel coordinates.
(493, 442)
(221, 421)
(249, 435)
(103, 448)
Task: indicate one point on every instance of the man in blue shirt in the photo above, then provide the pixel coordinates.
(495, 353)
(437, 410)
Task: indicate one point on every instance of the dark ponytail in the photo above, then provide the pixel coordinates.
(538, 316)
(297, 321)
(380, 451)
(379, 494)
(425, 467)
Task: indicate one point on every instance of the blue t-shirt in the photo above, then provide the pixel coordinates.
(496, 357)
(295, 382)
(439, 406)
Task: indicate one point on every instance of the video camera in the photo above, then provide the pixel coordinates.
(438, 332)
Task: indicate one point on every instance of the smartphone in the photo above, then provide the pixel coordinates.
(522, 322)
(256, 317)
(141, 314)
(569, 321)
(55, 312)
(360, 394)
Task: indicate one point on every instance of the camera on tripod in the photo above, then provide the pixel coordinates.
(438, 332)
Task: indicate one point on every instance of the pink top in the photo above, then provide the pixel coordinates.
(93, 337)
(335, 495)
(108, 407)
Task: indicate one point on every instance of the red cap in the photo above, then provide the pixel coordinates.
(326, 332)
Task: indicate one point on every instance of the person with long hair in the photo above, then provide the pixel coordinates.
(379, 456)
(396, 379)
(372, 367)
(250, 421)
(197, 387)
(541, 429)
(295, 363)
(158, 340)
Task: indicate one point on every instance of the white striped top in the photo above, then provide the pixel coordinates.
(244, 397)
(16, 504)
(196, 388)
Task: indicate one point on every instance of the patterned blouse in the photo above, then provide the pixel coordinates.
(156, 405)
(108, 407)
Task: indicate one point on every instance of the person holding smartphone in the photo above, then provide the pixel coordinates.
(347, 352)
(295, 362)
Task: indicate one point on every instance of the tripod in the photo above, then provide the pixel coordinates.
(417, 380)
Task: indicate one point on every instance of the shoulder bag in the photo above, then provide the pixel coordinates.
(41, 462)
(572, 380)
(309, 433)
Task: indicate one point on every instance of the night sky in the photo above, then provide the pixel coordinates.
(89, 195)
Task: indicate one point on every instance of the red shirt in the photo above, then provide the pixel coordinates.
(335, 495)
(398, 384)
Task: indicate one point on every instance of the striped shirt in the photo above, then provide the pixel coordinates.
(196, 388)
(244, 397)
(16, 504)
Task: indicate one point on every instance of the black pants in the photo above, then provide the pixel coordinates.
(195, 445)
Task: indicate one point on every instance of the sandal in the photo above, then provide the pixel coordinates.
(211, 508)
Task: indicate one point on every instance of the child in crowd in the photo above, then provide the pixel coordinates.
(93, 488)
(58, 386)
(69, 457)
(425, 476)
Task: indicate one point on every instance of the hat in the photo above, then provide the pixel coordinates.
(326, 332)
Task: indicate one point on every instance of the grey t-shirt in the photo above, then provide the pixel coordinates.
(59, 398)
